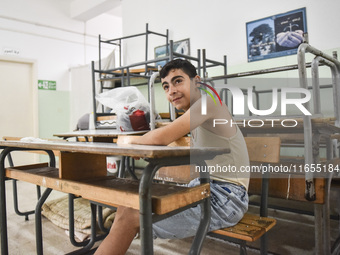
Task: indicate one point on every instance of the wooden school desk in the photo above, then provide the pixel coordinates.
(82, 171)
(103, 136)
(98, 135)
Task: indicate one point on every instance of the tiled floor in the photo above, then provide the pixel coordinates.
(293, 234)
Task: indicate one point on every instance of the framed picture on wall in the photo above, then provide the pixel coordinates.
(182, 47)
(276, 36)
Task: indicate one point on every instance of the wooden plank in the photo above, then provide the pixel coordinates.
(330, 120)
(80, 166)
(36, 176)
(263, 149)
(263, 222)
(110, 133)
(107, 117)
(108, 190)
(250, 228)
(285, 138)
(176, 174)
(15, 138)
(137, 70)
(11, 138)
(83, 139)
(101, 139)
(28, 167)
(291, 139)
(323, 125)
(171, 202)
(165, 198)
(335, 136)
(132, 150)
(242, 231)
(127, 139)
(166, 115)
(112, 191)
(289, 188)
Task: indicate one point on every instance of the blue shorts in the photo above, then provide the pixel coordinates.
(229, 202)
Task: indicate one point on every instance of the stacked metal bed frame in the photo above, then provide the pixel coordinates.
(124, 74)
(311, 133)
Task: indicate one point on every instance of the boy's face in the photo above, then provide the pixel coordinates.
(179, 89)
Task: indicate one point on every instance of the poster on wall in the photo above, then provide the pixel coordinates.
(276, 36)
(182, 47)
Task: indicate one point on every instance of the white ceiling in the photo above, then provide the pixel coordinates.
(87, 9)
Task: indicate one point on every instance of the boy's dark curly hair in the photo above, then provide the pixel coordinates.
(182, 64)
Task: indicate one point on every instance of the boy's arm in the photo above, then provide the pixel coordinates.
(180, 127)
(167, 134)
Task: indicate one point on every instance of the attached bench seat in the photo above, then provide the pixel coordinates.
(110, 190)
(250, 228)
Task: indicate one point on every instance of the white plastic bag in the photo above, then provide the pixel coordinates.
(130, 106)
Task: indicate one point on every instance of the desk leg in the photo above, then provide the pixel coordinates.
(318, 228)
(145, 210)
(203, 228)
(38, 225)
(264, 210)
(121, 170)
(41, 201)
(3, 222)
(326, 217)
(4, 239)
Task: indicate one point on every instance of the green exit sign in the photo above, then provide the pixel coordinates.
(47, 85)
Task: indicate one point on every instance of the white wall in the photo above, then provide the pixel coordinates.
(219, 26)
(43, 30)
(48, 34)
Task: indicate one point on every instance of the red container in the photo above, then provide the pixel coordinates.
(138, 121)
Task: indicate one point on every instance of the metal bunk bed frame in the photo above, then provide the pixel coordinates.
(123, 73)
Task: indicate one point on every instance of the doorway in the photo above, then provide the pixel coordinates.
(18, 102)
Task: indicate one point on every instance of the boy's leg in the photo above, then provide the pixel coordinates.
(124, 229)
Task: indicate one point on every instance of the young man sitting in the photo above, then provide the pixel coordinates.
(229, 198)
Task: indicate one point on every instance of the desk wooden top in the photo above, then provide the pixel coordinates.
(112, 133)
(137, 70)
(132, 150)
